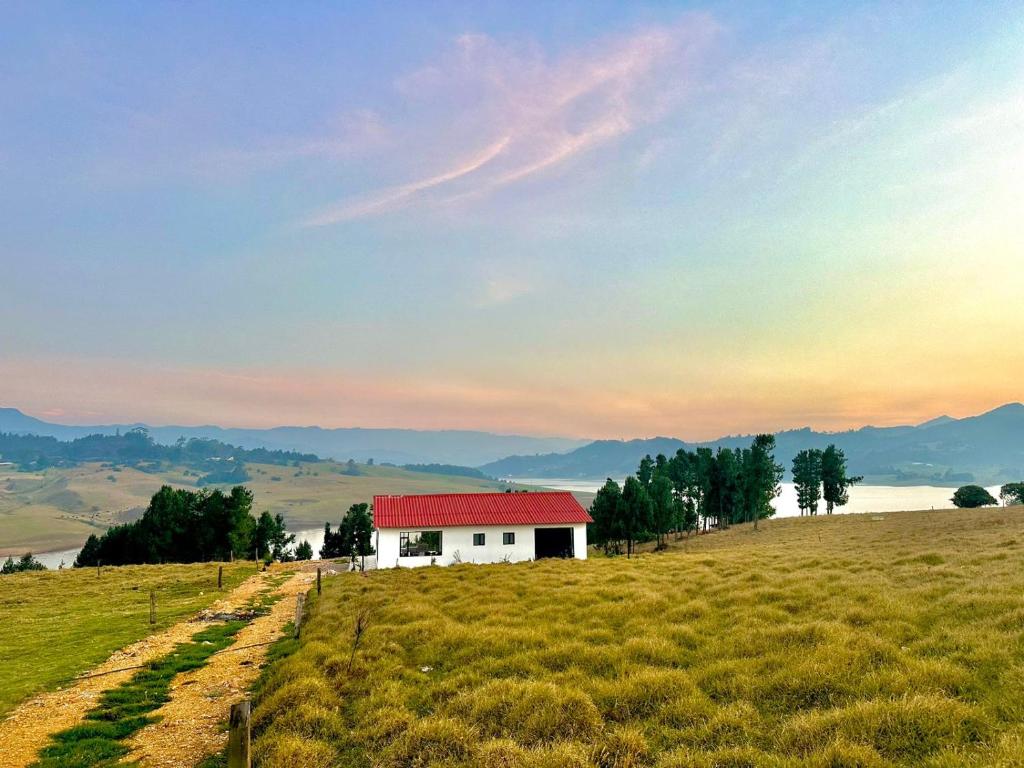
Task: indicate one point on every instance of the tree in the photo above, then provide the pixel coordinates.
(606, 528)
(1012, 493)
(334, 542)
(807, 479)
(725, 491)
(304, 551)
(271, 538)
(25, 563)
(635, 514)
(682, 470)
(834, 479)
(703, 468)
(645, 472)
(663, 507)
(354, 537)
(764, 477)
(972, 496)
(361, 526)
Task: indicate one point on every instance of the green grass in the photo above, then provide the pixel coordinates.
(842, 641)
(58, 624)
(121, 711)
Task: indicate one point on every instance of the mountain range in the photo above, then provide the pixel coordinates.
(395, 446)
(986, 449)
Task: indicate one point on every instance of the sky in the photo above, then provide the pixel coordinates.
(585, 219)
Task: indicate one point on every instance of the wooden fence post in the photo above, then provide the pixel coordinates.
(220, 577)
(152, 606)
(318, 581)
(300, 601)
(239, 734)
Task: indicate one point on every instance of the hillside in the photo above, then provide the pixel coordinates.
(845, 641)
(395, 446)
(59, 507)
(985, 449)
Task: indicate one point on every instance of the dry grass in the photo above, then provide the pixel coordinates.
(843, 641)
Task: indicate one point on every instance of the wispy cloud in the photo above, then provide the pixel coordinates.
(529, 114)
(407, 192)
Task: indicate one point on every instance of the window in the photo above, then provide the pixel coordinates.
(478, 539)
(419, 543)
(508, 538)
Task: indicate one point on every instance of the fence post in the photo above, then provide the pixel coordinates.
(239, 734)
(318, 581)
(220, 577)
(152, 606)
(300, 600)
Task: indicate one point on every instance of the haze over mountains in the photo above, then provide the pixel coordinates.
(987, 449)
(397, 446)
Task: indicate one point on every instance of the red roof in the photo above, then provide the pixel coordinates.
(447, 509)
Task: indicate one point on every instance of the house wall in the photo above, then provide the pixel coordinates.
(460, 539)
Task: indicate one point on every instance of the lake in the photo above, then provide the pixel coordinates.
(863, 498)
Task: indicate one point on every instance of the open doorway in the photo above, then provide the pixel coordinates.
(553, 542)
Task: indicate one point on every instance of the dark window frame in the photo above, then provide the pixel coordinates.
(479, 540)
(405, 549)
(508, 538)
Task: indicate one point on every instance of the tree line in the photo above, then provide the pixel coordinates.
(184, 526)
(24, 563)
(134, 447)
(821, 474)
(684, 492)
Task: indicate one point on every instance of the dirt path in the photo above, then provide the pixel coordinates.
(26, 730)
(190, 726)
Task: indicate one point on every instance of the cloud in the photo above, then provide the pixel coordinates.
(398, 195)
(528, 114)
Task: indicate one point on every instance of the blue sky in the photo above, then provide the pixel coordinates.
(577, 218)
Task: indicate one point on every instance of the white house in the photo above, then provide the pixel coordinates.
(447, 528)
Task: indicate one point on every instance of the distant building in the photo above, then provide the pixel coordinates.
(449, 528)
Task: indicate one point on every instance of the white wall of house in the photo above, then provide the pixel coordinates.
(460, 539)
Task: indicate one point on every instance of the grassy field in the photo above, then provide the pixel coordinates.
(854, 640)
(58, 624)
(59, 508)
